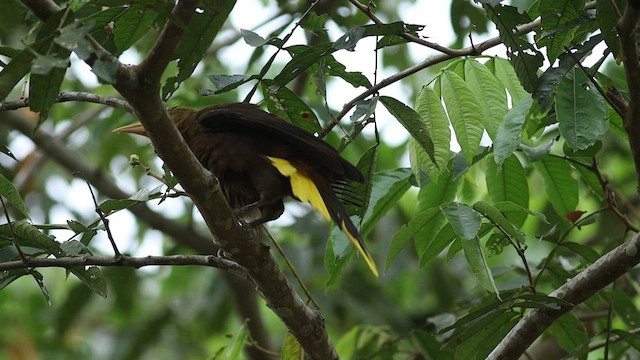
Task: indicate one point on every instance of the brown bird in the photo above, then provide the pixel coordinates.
(260, 159)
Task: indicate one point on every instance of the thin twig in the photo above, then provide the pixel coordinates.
(610, 198)
(613, 339)
(267, 66)
(411, 38)
(14, 236)
(103, 218)
(292, 268)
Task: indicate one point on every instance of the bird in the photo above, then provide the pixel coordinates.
(261, 159)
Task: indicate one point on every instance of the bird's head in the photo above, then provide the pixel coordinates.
(180, 117)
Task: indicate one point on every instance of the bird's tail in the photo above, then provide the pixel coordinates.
(326, 202)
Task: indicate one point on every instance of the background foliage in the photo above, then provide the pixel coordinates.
(537, 185)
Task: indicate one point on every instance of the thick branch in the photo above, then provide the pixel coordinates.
(629, 52)
(584, 285)
(161, 54)
(127, 261)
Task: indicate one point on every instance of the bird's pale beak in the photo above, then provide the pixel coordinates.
(135, 128)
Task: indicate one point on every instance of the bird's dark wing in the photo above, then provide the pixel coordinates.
(267, 129)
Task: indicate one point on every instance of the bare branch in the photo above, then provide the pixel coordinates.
(127, 261)
(73, 96)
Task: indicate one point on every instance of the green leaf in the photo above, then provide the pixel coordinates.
(631, 338)
(9, 192)
(388, 187)
(113, 205)
(73, 37)
(607, 18)
(508, 134)
(537, 153)
(364, 109)
(483, 338)
(490, 307)
(29, 235)
(498, 220)
(524, 57)
(197, 38)
(106, 69)
(590, 177)
(409, 230)
(50, 64)
(504, 71)
(570, 334)
(132, 25)
(478, 263)
(560, 186)
(464, 112)
(287, 105)
(585, 252)
(439, 242)
(44, 87)
(332, 67)
(335, 263)
(77, 227)
(556, 31)
(291, 350)
(432, 114)
(11, 74)
(9, 276)
(434, 194)
(507, 207)
(489, 91)
(303, 58)
(625, 308)
(224, 83)
(465, 221)
(582, 113)
(508, 183)
(313, 22)
(236, 348)
(252, 38)
(412, 122)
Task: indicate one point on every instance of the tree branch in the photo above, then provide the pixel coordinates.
(443, 49)
(604, 271)
(127, 261)
(73, 96)
(152, 67)
(629, 53)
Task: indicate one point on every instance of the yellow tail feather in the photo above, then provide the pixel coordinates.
(365, 254)
(306, 191)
